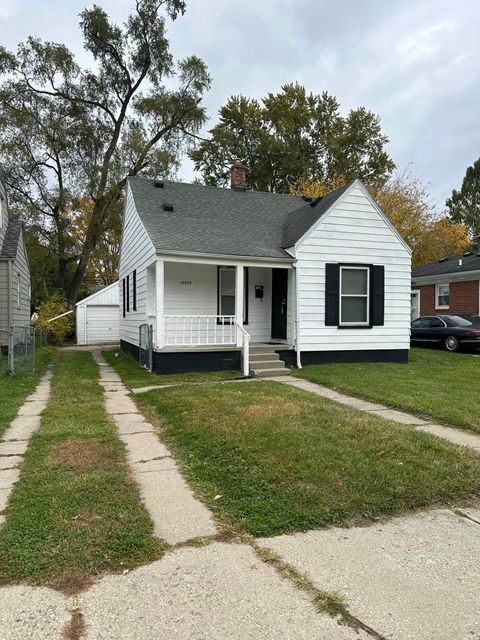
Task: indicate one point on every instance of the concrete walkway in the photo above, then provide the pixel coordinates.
(414, 578)
(176, 514)
(14, 443)
(456, 436)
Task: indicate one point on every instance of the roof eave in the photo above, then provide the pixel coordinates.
(221, 256)
(451, 276)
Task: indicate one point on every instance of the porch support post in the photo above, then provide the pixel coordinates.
(160, 302)
(297, 318)
(239, 296)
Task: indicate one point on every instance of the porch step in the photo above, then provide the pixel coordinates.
(264, 357)
(265, 362)
(269, 373)
(268, 364)
(261, 348)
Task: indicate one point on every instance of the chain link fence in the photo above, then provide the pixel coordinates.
(18, 348)
(145, 342)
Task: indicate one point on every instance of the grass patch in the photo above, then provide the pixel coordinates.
(14, 389)
(75, 512)
(434, 384)
(133, 376)
(270, 459)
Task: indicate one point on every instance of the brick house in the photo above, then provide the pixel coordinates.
(447, 286)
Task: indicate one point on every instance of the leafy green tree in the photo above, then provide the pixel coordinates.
(464, 205)
(68, 132)
(290, 136)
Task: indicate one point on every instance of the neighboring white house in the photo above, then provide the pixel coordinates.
(14, 272)
(98, 317)
(311, 280)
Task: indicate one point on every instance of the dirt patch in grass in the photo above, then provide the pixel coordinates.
(81, 455)
(75, 628)
(72, 582)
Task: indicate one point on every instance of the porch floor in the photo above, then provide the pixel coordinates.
(171, 348)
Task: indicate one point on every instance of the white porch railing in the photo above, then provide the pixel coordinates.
(199, 331)
(245, 337)
(205, 331)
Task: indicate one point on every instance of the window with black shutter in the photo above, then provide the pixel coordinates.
(377, 295)
(134, 285)
(123, 298)
(354, 295)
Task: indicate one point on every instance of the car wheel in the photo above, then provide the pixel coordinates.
(451, 343)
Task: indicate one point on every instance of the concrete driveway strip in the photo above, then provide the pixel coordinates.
(177, 516)
(15, 439)
(218, 592)
(415, 578)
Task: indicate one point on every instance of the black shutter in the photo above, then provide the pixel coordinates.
(123, 296)
(332, 294)
(377, 295)
(134, 285)
(128, 293)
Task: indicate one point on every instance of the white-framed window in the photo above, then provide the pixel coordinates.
(226, 292)
(19, 286)
(354, 296)
(442, 296)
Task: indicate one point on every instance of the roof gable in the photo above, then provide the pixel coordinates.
(302, 220)
(98, 293)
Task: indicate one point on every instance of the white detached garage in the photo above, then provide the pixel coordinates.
(98, 317)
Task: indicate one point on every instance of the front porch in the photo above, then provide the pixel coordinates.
(205, 307)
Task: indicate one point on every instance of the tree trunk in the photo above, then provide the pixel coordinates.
(95, 228)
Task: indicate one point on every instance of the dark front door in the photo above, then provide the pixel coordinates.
(279, 303)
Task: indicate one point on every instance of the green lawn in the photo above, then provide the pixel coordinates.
(284, 460)
(133, 376)
(435, 384)
(14, 389)
(75, 512)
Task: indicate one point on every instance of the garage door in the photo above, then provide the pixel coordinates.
(102, 324)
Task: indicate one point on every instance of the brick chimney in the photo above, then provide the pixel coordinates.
(238, 176)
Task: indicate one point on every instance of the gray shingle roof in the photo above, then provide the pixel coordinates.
(11, 240)
(223, 221)
(449, 266)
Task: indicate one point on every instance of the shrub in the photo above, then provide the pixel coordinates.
(59, 329)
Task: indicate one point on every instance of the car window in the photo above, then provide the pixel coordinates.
(421, 323)
(464, 321)
(437, 322)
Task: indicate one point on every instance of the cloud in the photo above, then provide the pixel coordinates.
(414, 63)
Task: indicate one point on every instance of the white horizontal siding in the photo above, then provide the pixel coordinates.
(137, 252)
(353, 232)
(20, 272)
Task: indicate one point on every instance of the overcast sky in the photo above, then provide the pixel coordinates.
(416, 63)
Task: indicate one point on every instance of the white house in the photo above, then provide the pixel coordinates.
(15, 291)
(299, 280)
(98, 317)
